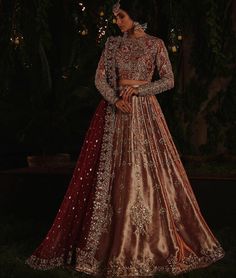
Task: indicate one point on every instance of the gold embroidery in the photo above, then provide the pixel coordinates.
(175, 213)
(162, 210)
(43, 264)
(118, 210)
(105, 77)
(157, 187)
(108, 217)
(148, 266)
(136, 267)
(115, 267)
(137, 59)
(102, 194)
(140, 215)
(86, 262)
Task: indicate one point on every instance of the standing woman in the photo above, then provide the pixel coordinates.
(129, 209)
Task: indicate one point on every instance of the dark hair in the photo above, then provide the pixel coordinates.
(138, 10)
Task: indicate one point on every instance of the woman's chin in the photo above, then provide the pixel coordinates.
(123, 30)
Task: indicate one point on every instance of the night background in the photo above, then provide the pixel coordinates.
(49, 51)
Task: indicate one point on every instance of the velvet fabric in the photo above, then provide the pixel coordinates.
(70, 222)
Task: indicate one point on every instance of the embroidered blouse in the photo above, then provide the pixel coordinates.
(136, 59)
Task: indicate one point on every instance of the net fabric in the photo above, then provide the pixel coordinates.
(72, 221)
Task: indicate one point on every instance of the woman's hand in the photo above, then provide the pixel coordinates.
(127, 93)
(123, 105)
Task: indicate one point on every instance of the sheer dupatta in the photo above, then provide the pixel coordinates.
(73, 228)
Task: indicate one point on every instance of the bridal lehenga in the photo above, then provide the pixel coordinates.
(129, 210)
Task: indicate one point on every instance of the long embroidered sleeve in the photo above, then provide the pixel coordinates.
(137, 58)
(164, 68)
(101, 82)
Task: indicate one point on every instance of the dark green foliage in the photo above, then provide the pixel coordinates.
(208, 26)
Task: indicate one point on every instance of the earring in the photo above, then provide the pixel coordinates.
(138, 26)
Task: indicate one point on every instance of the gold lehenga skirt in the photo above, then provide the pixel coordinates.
(154, 223)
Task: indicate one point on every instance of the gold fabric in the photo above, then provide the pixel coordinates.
(154, 221)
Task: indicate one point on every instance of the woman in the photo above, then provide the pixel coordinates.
(129, 209)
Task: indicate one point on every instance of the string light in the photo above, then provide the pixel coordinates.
(82, 6)
(102, 26)
(82, 29)
(173, 43)
(179, 34)
(175, 36)
(16, 38)
(102, 22)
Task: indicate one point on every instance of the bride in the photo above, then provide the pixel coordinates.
(129, 209)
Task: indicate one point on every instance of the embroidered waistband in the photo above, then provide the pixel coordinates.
(123, 86)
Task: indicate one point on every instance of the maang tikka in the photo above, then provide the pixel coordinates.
(116, 7)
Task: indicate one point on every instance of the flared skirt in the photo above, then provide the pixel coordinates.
(141, 216)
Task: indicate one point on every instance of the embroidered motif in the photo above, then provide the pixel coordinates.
(102, 195)
(134, 59)
(122, 187)
(108, 218)
(38, 263)
(136, 267)
(162, 210)
(148, 267)
(175, 213)
(105, 77)
(161, 141)
(164, 68)
(140, 215)
(157, 187)
(86, 262)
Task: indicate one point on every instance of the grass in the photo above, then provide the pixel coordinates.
(18, 239)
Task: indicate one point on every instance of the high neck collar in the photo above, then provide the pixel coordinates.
(126, 36)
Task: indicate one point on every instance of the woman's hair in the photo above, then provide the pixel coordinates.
(137, 10)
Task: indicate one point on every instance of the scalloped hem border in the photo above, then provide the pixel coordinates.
(174, 273)
(43, 264)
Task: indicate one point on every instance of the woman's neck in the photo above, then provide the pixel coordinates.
(135, 34)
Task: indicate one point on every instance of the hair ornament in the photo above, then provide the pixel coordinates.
(116, 7)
